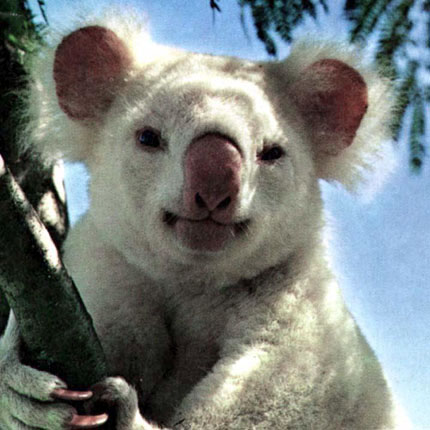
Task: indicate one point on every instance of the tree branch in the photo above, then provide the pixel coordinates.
(56, 329)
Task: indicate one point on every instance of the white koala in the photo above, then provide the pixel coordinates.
(202, 258)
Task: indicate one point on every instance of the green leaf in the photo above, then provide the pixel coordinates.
(370, 15)
(416, 137)
(404, 95)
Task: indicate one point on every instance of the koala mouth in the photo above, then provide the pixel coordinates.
(204, 234)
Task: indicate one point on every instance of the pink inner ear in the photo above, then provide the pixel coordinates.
(88, 69)
(332, 97)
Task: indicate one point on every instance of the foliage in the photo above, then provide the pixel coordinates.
(18, 28)
(18, 36)
(403, 48)
(281, 16)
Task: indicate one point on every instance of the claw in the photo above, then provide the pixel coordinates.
(62, 394)
(88, 421)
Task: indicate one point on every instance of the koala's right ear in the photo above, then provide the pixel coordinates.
(72, 84)
(89, 67)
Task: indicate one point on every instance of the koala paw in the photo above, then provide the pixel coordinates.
(118, 399)
(31, 399)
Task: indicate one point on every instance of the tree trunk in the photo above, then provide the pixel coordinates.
(56, 329)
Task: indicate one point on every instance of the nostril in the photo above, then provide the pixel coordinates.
(199, 201)
(225, 203)
(211, 203)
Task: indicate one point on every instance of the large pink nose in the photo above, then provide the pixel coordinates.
(212, 179)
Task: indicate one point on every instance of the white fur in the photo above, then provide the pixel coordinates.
(253, 336)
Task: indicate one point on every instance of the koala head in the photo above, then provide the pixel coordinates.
(204, 165)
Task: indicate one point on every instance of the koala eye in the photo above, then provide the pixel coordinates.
(271, 153)
(150, 139)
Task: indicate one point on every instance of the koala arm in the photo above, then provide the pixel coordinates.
(286, 385)
(257, 389)
(287, 371)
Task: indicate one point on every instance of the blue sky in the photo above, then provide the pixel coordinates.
(381, 249)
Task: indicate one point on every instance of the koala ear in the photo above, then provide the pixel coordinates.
(89, 67)
(341, 106)
(332, 99)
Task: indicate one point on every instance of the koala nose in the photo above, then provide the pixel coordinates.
(212, 178)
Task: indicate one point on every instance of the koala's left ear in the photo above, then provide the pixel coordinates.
(343, 107)
(331, 97)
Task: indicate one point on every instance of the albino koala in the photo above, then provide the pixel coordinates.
(202, 258)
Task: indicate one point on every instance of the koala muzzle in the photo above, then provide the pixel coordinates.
(210, 196)
(212, 179)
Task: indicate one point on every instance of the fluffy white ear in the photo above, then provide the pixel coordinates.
(89, 67)
(344, 108)
(73, 81)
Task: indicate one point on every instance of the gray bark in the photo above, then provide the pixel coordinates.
(57, 331)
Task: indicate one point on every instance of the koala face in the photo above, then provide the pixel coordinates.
(207, 166)
(199, 172)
